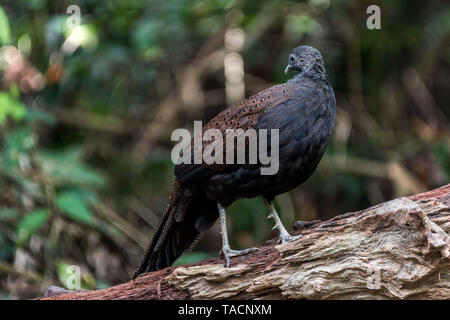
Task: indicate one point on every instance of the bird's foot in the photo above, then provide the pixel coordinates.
(288, 238)
(284, 235)
(228, 253)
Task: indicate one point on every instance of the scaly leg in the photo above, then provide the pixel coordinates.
(284, 235)
(227, 252)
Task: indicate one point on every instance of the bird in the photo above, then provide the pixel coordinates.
(302, 109)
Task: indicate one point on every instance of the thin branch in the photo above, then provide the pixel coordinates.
(10, 269)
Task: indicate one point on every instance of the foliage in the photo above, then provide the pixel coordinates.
(86, 115)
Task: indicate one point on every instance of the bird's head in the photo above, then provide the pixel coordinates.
(303, 59)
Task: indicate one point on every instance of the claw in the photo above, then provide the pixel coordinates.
(227, 261)
(228, 253)
(288, 238)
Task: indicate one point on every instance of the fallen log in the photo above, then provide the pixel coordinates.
(395, 250)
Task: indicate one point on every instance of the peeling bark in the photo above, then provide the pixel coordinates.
(396, 250)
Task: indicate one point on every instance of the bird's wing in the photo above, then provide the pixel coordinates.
(243, 116)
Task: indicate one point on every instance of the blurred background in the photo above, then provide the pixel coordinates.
(89, 98)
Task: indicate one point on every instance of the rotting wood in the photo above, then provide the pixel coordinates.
(395, 250)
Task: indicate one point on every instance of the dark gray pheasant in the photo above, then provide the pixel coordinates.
(303, 109)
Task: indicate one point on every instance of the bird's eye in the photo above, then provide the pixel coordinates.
(291, 58)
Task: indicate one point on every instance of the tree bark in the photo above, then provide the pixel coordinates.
(395, 250)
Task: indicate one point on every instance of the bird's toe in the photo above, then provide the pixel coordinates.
(288, 238)
(229, 253)
(235, 253)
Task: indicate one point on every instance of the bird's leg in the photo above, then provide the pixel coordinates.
(226, 250)
(284, 235)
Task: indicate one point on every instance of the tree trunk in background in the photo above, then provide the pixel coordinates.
(395, 250)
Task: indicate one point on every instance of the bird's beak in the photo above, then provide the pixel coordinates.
(288, 68)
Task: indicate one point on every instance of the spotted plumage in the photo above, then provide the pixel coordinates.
(302, 109)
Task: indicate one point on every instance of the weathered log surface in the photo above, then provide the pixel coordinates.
(396, 250)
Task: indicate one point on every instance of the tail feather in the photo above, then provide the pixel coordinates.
(187, 215)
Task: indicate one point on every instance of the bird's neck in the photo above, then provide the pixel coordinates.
(316, 72)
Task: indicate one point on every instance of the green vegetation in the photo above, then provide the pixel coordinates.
(86, 115)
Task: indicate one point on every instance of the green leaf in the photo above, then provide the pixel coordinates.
(73, 205)
(64, 273)
(10, 106)
(5, 32)
(72, 278)
(88, 196)
(65, 167)
(17, 143)
(29, 224)
(19, 140)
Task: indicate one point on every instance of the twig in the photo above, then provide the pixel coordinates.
(94, 121)
(140, 238)
(404, 182)
(10, 269)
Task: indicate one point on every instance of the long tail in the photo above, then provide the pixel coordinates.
(187, 215)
